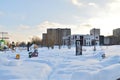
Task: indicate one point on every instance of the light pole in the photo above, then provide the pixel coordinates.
(94, 41)
(2, 35)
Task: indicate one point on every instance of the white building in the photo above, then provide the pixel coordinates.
(88, 40)
(96, 35)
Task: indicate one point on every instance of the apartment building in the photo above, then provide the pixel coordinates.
(56, 35)
(88, 40)
(116, 32)
(96, 35)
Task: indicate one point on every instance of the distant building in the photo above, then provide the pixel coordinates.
(44, 39)
(71, 39)
(88, 40)
(55, 36)
(116, 36)
(96, 34)
(116, 32)
(101, 37)
(62, 36)
(106, 41)
(111, 40)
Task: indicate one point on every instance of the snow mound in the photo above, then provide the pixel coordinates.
(103, 74)
(7, 62)
(82, 75)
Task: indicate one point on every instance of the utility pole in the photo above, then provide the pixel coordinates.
(94, 41)
(3, 35)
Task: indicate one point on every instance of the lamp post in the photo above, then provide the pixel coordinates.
(94, 41)
(2, 35)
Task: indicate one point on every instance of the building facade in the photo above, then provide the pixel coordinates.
(111, 40)
(96, 36)
(44, 39)
(55, 36)
(116, 32)
(88, 40)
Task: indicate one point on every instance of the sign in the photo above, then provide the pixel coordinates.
(78, 47)
(81, 40)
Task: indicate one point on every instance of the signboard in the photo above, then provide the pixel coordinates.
(79, 44)
(78, 48)
(81, 40)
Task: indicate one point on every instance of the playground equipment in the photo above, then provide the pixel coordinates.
(3, 45)
(33, 51)
(2, 41)
(33, 54)
(17, 56)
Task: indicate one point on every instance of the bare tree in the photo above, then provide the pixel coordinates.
(22, 44)
(36, 40)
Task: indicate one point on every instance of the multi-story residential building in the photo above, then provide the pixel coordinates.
(116, 36)
(71, 39)
(56, 35)
(116, 32)
(44, 39)
(101, 39)
(96, 34)
(106, 41)
(88, 40)
(111, 40)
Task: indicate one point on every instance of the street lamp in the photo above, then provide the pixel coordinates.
(2, 35)
(94, 41)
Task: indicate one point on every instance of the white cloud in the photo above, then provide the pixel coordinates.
(108, 18)
(93, 4)
(75, 28)
(22, 33)
(43, 26)
(86, 3)
(25, 32)
(77, 3)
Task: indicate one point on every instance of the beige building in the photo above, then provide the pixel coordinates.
(55, 36)
(44, 39)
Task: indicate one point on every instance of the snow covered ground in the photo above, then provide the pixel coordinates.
(62, 64)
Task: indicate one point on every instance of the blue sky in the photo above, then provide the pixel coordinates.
(23, 19)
